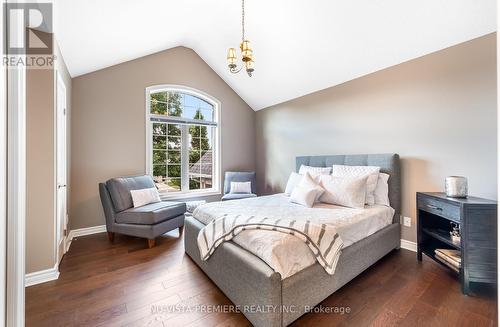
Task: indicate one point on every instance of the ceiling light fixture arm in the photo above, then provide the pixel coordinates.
(234, 69)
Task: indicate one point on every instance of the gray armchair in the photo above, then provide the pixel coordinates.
(233, 176)
(148, 221)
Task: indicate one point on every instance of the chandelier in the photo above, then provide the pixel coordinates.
(246, 51)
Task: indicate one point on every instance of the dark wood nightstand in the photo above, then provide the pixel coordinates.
(477, 219)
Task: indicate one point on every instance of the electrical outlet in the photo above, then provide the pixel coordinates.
(407, 221)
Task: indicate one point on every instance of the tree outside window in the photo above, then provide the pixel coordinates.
(182, 141)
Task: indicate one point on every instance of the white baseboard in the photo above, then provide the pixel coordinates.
(82, 232)
(86, 231)
(408, 245)
(42, 276)
(47, 275)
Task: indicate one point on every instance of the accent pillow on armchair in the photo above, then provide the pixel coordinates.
(236, 185)
(144, 196)
(241, 187)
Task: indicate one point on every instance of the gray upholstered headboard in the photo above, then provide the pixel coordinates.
(388, 163)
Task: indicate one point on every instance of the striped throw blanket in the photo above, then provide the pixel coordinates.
(322, 239)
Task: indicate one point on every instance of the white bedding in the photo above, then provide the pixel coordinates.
(285, 253)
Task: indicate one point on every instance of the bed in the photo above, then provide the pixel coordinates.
(269, 298)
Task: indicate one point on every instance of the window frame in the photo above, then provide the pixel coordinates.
(217, 171)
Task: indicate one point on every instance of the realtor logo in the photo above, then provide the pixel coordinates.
(33, 18)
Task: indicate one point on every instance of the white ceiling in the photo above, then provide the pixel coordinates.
(301, 46)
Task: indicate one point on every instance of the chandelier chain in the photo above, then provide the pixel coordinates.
(242, 20)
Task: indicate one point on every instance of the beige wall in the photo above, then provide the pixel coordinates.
(40, 251)
(108, 123)
(40, 163)
(438, 112)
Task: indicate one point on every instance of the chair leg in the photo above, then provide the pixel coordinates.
(151, 243)
(111, 236)
(181, 230)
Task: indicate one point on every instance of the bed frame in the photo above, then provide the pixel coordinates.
(254, 287)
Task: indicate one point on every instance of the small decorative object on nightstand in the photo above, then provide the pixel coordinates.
(459, 233)
(455, 232)
(456, 186)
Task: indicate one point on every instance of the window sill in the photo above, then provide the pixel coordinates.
(191, 195)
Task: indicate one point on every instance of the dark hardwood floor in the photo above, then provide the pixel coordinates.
(104, 284)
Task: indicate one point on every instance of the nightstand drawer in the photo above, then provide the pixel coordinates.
(440, 208)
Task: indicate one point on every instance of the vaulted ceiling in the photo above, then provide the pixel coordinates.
(300, 46)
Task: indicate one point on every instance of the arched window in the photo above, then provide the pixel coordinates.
(182, 140)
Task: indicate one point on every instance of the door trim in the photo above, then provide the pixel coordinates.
(62, 242)
(3, 181)
(16, 194)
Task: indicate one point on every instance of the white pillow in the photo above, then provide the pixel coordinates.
(382, 190)
(293, 181)
(303, 195)
(241, 187)
(144, 196)
(308, 181)
(360, 171)
(315, 170)
(344, 191)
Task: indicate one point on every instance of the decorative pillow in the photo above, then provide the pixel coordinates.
(360, 171)
(144, 196)
(315, 170)
(293, 181)
(303, 195)
(241, 187)
(344, 191)
(308, 181)
(382, 190)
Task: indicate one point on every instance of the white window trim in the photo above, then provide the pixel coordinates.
(216, 189)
